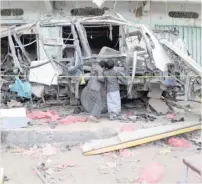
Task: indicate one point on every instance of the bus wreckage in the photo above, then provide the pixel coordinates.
(55, 58)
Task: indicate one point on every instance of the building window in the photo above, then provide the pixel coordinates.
(181, 14)
(12, 12)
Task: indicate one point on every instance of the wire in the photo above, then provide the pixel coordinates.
(30, 43)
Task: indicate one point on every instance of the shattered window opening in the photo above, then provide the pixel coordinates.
(181, 14)
(100, 36)
(67, 40)
(29, 44)
(12, 12)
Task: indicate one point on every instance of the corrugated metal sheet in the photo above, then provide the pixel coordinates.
(190, 35)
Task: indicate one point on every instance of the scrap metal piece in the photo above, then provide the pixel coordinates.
(26, 29)
(190, 71)
(133, 72)
(156, 50)
(12, 47)
(41, 176)
(193, 65)
(21, 47)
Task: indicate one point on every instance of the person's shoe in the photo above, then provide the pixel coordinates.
(111, 118)
(93, 119)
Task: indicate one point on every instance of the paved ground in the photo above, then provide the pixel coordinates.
(109, 168)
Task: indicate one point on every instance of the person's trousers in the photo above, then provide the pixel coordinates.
(114, 102)
(97, 100)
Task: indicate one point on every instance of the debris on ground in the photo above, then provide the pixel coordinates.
(41, 174)
(126, 153)
(127, 127)
(158, 106)
(166, 150)
(177, 120)
(134, 117)
(49, 150)
(129, 113)
(64, 166)
(179, 142)
(45, 117)
(73, 119)
(6, 178)
(170, 116)
(112, 164)
(197, 142)
(145, 117)
(151, 173)
(78, 110)
(14, 103)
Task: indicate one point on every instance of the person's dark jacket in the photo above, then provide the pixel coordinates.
(112, 78)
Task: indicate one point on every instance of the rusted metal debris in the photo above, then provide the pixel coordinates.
(57, 63)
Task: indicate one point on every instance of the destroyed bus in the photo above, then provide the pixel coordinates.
(65, 51)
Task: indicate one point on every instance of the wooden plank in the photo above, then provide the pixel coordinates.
(144, 140)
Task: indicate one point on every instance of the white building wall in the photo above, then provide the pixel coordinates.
(158, 14)
(33, 10)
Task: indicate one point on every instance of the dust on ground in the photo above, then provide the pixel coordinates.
(67, 164)
(108, 168)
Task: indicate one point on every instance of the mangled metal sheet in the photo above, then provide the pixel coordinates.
(52, 44)
(23, 29)
(191, 63)
(160, 57)
(45, 74)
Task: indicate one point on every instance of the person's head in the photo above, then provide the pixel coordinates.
(110, 64)
(102, 63)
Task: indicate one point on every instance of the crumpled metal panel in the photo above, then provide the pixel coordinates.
(52, 33)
